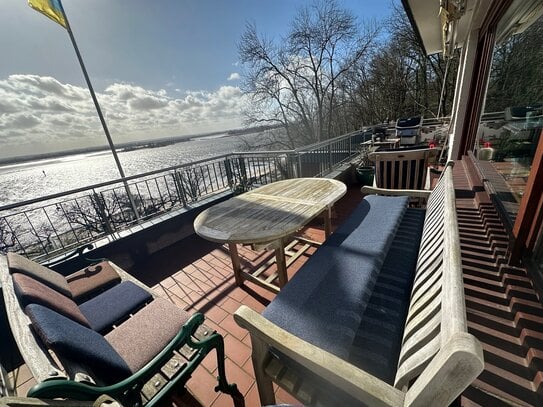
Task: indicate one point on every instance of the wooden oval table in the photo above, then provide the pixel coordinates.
(267, 216)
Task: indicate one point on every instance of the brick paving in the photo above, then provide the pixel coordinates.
(503, 310)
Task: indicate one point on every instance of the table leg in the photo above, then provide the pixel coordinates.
(236, 265)
(327, 222)
(281, 263)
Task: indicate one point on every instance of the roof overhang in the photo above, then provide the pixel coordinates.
(424, 16)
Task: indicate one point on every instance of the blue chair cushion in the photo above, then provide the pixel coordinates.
(325, 300)
(76, 343)
(113, 305)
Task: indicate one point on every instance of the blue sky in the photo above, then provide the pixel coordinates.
(160, 68)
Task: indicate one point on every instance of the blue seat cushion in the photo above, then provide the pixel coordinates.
(376, 348)
(324, 301)
(75, 343)
(113, 305)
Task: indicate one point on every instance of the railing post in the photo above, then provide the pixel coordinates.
(229, 172)
(242, 172)
(329, 157)
(131, 199)
(179, 187)
(294, 165)
(100, 207)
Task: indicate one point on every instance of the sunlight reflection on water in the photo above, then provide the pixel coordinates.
(26, 181)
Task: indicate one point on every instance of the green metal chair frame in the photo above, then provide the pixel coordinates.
(128, 391)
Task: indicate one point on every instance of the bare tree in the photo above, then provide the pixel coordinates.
(517, 69)
(294, 83)
(8, 238)
(400, 80)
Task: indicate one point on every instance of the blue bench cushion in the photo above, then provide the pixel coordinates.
(324, 301)
(87, 282)
(139, 339)
(113, 305)
(20, 264)
(30, 291)
(76, 343)
(377, 345)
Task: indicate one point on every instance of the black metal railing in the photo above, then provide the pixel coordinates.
(51, 225)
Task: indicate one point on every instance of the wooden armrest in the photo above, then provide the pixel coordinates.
(354, 381)
(415, 193)
(458, 363)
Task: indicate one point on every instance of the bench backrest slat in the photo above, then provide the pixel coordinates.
(436, 311)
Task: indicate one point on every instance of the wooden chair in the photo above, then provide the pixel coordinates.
(402, 168)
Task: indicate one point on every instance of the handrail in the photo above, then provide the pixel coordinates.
(106, 183)
(329, 141)
(266, 152)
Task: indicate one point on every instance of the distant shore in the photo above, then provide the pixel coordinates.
(135, 145)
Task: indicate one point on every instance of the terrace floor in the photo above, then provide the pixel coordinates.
(504, 311)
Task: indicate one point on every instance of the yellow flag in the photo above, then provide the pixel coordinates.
(51, 8)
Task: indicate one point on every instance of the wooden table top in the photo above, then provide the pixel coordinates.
(270, 212)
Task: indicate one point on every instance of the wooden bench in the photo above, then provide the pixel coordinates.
(402, 342)
(101, 331)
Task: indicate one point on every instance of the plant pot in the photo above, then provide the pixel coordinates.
(364, 175)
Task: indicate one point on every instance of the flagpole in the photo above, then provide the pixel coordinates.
(100, 115)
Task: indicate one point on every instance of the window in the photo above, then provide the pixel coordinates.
(512, 121)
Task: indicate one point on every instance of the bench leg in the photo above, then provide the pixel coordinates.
(263, 381)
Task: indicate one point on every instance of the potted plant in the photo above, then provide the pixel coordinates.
(364, 168)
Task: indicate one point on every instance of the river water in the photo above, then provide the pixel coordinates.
(33, 179)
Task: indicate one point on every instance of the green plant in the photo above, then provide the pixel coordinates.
(363, 158)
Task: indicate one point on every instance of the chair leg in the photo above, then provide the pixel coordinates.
(263, 381)
(223, 385)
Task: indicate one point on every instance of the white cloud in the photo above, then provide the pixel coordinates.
(234, 76)
(40, 112)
